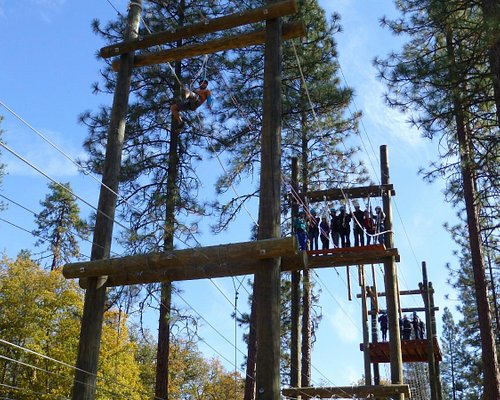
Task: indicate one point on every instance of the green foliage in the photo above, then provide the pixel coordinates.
(60, 225)
(40, 315)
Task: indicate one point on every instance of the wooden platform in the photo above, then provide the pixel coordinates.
(339, 257)
(347, 392)
(412, 351)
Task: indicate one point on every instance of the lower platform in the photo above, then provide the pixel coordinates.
(412, 351)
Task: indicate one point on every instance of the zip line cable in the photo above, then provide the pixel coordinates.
(59, 184)
(54, 146)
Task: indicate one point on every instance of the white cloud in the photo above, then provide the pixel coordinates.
(343, 326)
(40, 154)
(47, 8)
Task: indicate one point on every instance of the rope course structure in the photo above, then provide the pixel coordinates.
(222, 260)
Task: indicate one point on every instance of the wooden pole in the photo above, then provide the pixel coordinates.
(295, 371)
(390, 281)
(214, 25)
(267, 281)
(84, 385)
(292, 30)
(366, 336)
(428, 323)
(437, 374)
(374, 312)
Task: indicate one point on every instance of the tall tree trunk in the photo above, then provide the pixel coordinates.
(491, 12)
(172, 196)
(251, 357)
(489, 356)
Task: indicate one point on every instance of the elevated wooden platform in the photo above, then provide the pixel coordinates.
(347, 392)
(340, 257)
(412, 351)
(351, 193)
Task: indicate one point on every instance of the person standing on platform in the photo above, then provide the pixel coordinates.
(358, 228)
(300, 228)
(334, 227)
(384, 325)
(313, 232)
(324, 228)
(406, 328)
(379, 224)
(369, 227)
(345, 227)
(416, 325)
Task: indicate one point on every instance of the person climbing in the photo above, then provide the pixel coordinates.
(384, 325)
(325, 233)
(191, 100)
(358, 228)
(313, 230)
(300, 227)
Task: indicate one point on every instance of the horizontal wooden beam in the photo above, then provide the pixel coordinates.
(267, 12)
(350, 193)
(294, 262)
(179, 260)
(353, 256)
(347, 392)
(402, 293)
(407, 310)
(290, 31)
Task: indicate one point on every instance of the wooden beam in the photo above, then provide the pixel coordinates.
(290, 31)
(351, 193)
(178, 260)
(193, 272)
(411, 309)
(269, 11)
(347, 392)
(401, 293)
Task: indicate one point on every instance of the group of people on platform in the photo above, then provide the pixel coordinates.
(414, 328)
(310, 228)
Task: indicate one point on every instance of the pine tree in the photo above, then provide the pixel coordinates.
(60, 225)
(441, 76)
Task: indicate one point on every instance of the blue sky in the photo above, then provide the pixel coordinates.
(47, 69)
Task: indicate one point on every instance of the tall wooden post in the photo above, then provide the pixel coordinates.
(267, 280)
(84, 385)
(392, 298)
(373, 308)
(366, 335)
(295, 289)
(437, 373)
(431, 359)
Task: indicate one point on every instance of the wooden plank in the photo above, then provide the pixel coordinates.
(402, 293)
(290, 31)
(358, 255)
(411, 350)
(351, 193)
(267, 12)
(347, 392)
(177, 260)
